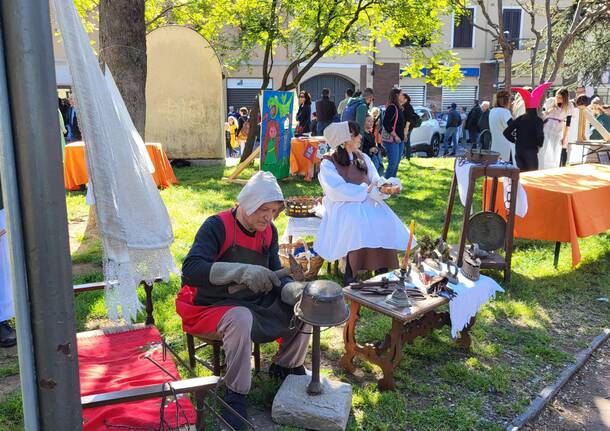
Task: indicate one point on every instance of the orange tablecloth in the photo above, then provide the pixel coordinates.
(565, 204)
(75, 168)
(304, 156)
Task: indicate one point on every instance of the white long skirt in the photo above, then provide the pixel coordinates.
(349, 226)
(6, 293)
(549, 155)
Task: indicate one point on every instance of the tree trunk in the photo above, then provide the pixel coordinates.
(252, 132)
(508, 66)
(123, 50)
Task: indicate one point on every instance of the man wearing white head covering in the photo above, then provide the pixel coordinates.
(357, 222)
(240, 247)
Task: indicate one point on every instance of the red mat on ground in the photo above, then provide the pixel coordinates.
(115, 362)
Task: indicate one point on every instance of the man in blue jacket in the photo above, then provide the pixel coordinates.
(453, 121)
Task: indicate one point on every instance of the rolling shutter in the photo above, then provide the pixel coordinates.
(463, 95)
(238, 97)
(417, 94)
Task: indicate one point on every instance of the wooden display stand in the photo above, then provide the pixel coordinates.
(243, 165)
(495, 260)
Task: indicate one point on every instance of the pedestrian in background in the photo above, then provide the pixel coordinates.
(393, 132)
(349, 93)
(304, 114)
(484, 135)
(325, 110)
(499, 118)
(453, 122)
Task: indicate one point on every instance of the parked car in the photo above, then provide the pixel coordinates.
(427, 137)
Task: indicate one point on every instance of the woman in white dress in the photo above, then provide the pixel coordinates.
(499, 117)
(557, 117)
(357, 223)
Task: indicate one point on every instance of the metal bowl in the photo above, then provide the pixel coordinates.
(486, 157)
(322, 304)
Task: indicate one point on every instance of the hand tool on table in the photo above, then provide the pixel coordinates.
(295, 270)
(380, 287)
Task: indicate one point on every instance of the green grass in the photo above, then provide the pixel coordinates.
(520, 341)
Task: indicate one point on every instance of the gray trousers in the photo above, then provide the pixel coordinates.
(235, 328)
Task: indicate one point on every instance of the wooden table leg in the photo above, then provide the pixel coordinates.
(465, 341)
(389, 359)
(556, 255)
(349, 338)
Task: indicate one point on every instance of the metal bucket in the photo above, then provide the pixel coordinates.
(322, 304)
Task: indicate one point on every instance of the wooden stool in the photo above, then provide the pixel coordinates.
(495, 260)
(214, 339)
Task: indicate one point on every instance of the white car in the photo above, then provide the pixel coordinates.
(427, 137)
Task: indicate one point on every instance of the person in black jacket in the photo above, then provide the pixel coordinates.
(369, 146)
(326, 110)
(393, 133)
(304, 113)
(411, 118)
(527, 132)
(472, 123)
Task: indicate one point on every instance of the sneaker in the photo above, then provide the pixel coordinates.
(238, 403)
(8, 338)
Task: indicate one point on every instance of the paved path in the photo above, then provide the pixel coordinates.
(584, 403)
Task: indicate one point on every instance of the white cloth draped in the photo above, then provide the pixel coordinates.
(133, 221)
(555, 119)
(471, 295)
(498, 122)
(6, 293)
(352, 220)
(462, 173)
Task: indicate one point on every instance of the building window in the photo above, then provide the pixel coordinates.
(511, 20)
(463, 30)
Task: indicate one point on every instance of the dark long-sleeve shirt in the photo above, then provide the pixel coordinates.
(388, 121)
(304, 117)
(326, 110)
(368, 142)
(526, 131)
(208, 242)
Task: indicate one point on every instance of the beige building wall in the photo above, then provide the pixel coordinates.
(184, 95)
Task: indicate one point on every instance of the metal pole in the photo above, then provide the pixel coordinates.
(33, 105)
(10, 193)
(315, 388)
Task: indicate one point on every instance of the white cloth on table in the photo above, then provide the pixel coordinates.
(462, 173)
(301, 226)
(555, 120)
(498, 122)
(6, 293)
(470, 295)
(352, 220)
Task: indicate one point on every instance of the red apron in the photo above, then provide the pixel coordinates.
(201, 319)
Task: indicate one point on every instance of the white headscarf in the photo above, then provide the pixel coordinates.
(337, 134)
(260, 189)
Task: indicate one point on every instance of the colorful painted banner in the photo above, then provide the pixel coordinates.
(276, 132)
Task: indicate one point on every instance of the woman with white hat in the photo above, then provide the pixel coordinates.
(357, 223)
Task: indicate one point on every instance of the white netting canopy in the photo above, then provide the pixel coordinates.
(132, 218)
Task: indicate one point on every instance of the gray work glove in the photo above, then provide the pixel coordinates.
(255, 277)
(292, 291)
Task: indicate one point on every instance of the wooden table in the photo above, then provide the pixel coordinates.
(408, 323)
(75, 167)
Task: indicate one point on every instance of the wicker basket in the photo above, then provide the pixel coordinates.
(311, 266)
(300, 206)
